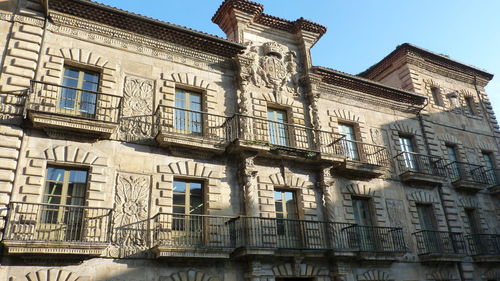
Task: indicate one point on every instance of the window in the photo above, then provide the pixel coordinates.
(469, 103)
(452, 156)
(64, 194)
(472, 220)
(489, 166)
(362, 211)
(349, 144)
(287, 226)
(436, 96)
(187, 204)
(188, 116)
(278, 133)
(406, 146)
(78, 96)
(426, 217)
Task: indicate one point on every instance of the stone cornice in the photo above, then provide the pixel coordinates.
(109, 36)
(161, 31)
(328, 91)
(433, 62)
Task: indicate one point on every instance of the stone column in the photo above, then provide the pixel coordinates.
(248, 180)
(327, 184)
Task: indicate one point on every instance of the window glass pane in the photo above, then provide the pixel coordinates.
(178, 210)
(54, 188)
(55, 174)
(180, 99)
(91, 77)
(71, 72)
(78, 176)
(89, 86)
(179, 186)
(69, 82)
(178, 199)
(488, 161)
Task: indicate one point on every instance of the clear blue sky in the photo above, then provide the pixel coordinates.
(362, 32)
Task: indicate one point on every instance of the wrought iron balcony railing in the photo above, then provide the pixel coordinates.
(191, 231)
(30, 222)
(461, 171)
(484, 244)
(365, 153)
(255, 232)
(492, 177)
(191, 124)
(380, 239)
(421, 164)
(77, 103)
(431, 242)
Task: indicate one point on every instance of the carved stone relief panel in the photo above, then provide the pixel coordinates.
(271, 66)
(136, 122)
(397, 217)
(130, 217)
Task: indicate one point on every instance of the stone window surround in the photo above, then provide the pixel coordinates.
(376, 202)
(58, 58)
(450, 140)
(163, 191)
(337, 116)
(34, 173)
(429, 85)
(426, 197)
(305, 195)
(188, 81)
(469, 202)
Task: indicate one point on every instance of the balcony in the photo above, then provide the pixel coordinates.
(61, 110)
(177, 127)
(363, 160)
(284, 139)
(57, 229)
(493, 182)
(467, 177)
(203, 236)
(286, 237)
(379, 243)
(440, 245)
(421, 169)
(484, 247)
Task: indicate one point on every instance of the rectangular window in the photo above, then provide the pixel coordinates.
(406, 146)
(436, 96)
(469, 102)
(188, 202)
(278, 131)
(362, 211)
(489, 167)
(453, 157)
(426, 217)
(287, 224)
(349, 144)
(79, 94)
(64, 194)
(472, 220)
(188, 115)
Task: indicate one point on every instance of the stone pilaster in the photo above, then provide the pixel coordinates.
(248, 181)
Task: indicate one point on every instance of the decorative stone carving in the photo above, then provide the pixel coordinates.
(376, 135)
(190, 275)
(374, 275)
(131, 214)
(250, 187)
(327, 184)
(53, 274)
(270, 66)
(137, 109)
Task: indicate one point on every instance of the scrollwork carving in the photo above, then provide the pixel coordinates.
(131, 214)
(137, 109)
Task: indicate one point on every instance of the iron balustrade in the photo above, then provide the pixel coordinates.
(430, 242)
(492, 177)
(68, 101)
(192, 231)
(467, 172)
(260, 131)
(365, 153)
(484, 244)
(377, 239)
(184, 122)
(255, 232)
(57, 223)
(421, 164)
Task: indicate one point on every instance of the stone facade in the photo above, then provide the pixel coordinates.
(359, 201)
